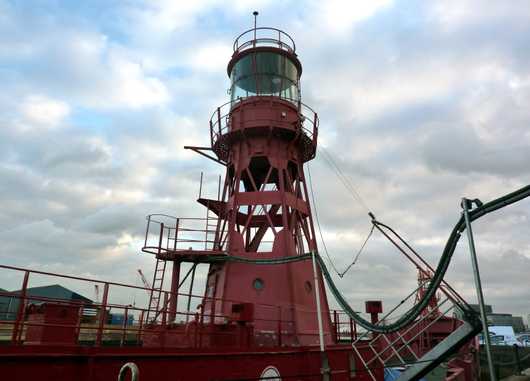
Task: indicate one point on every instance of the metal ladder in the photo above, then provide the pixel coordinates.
(156, 290)
(211, 222)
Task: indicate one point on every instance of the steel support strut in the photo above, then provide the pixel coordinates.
(325, 369)
(466, 206)
(317, 298)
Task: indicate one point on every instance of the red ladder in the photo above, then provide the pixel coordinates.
(156, 290)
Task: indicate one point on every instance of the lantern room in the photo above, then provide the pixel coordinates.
(264, 63)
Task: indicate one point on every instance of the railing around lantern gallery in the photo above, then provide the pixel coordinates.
(116, 320)
(220, 119)
(264, 37)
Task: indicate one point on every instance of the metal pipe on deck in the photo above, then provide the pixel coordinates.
(317, 297)
(173, 298)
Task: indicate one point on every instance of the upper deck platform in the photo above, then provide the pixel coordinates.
(253, 115)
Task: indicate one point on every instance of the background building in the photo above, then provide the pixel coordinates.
(4, 303)
(500, 319)
(9, 304)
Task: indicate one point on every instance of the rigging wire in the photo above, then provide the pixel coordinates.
(318, 221)
(358, 253)
(343, 178)
(375, 224)
(340, 274)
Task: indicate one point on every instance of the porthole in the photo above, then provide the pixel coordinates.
(258, 284)
(270, 373)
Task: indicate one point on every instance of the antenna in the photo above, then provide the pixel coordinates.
(200, 186)
(255, 13)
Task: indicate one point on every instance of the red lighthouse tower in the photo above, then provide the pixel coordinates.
(263, 136)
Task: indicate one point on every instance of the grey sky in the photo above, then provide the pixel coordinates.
(420, 103)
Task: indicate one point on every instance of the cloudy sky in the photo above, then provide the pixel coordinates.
(420, 103)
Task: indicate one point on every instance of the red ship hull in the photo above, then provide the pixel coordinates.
(103, 364)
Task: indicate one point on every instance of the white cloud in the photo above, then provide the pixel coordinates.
(455, 14)
(39, 111)
(212, 57)
(166, 16)
(403, 86)
(128, 86)
(81, 64)
(102, 75)
(341, 15)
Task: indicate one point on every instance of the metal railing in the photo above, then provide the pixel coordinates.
(19, 324)
(345, 326)
(166, 234)
(220, 119)
(264, 37)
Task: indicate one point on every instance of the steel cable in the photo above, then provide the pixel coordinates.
(343, 178)
(358, 253)
(318, 221)
(340, 274)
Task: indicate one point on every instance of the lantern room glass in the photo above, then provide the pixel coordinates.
(265, 73)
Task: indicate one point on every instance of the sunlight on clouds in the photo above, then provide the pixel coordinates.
(211, 57)
(519, 82)
(125, 239)
(39, 111)
(132, 88)
(341, 15)
(125, 245)
(430, 241)
(94, 72)
(401, 87)
(165, 16)
(247, 6)
(452, 13)
(455, 14)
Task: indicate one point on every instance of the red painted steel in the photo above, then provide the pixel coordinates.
(20, 314)
(89, 364)
(52, 323)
